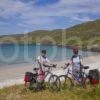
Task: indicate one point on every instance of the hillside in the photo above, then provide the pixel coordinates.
(88, 33)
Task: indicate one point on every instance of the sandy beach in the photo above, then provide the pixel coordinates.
(14, 74)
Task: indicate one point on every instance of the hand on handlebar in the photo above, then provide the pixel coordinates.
(66, 65)
(63, 68)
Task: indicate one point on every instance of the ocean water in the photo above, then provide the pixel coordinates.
(16, 54)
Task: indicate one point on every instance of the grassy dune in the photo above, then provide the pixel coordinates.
(18, 92)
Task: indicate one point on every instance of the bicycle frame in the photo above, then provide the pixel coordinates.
(77, 76)
(48, 72)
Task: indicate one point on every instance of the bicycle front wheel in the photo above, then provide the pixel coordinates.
(65, 82)
(53, 83)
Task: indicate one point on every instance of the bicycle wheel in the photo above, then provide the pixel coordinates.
(85, 82)
(33, 86)
(65, 82)
(53, 83)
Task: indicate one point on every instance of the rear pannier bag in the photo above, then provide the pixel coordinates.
(28, 77)
(94, 76)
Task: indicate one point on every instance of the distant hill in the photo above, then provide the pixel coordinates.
(86, 32)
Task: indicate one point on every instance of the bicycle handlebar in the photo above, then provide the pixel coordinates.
(84, 67)
(66, 66)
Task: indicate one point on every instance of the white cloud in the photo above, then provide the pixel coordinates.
(11, 7)
(64, 8)
(82, 19)
(61, 8)
(37, 20)
(31, 15)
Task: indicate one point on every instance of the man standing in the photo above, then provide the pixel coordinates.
(42, 62)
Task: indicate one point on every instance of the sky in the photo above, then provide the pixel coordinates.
(22, 16)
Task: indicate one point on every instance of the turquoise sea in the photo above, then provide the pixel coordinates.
(16, 54)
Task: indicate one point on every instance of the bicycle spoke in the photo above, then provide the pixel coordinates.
(53, 83)
(65, 82)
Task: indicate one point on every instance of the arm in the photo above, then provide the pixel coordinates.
(81, 60)
(39, 60)
(70, 62)
(67, 64)
(47, 62)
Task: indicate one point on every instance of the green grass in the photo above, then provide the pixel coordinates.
(18, 92)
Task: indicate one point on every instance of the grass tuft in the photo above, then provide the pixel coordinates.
(18, 92)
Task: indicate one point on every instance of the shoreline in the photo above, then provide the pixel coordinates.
(95, 49)
(14, 74)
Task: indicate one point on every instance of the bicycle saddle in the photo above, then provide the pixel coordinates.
(85, 67)
(35, 69)
(54, 65)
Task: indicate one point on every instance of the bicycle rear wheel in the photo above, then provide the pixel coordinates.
(33, 85)
(85, 82)
(53, 83)
(65, 82)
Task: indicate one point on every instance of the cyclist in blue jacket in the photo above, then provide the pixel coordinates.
(76, 60)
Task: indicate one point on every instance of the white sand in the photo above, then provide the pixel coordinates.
(14, 74)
